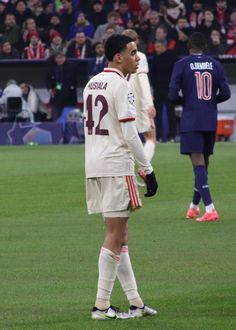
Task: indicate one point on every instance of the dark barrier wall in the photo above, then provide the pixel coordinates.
(35, 72)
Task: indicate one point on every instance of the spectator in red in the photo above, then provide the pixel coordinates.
(81, 25)
(232, 49)
(134, 6)
(36, 49)
(230, 28)
(196, 15)
(80, 47)
(162, 35)
(145, 11)
(56, 44)
(28, 27)
(222, 13)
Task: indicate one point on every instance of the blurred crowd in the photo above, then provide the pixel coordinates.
(37, 29)
(61, 30)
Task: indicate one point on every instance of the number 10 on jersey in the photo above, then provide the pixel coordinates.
(204, 85)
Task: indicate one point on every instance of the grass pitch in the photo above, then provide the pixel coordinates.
(49, 246)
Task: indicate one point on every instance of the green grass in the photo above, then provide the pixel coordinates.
(49, 246)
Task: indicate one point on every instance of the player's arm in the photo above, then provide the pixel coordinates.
(174, 86)
(134, 143)
(224, 90)
(126, 112)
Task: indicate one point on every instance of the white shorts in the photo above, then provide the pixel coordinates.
(112, 196)
(144, 122)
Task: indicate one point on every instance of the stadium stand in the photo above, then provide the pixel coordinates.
(43, 20)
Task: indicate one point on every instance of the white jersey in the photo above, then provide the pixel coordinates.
(140, 84)
(108, 101)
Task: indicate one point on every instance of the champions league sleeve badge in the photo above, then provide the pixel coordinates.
(131, 107)
(131, 98)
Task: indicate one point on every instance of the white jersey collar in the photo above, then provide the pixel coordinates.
(114, 71)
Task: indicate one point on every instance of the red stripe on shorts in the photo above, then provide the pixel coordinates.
(132, 192)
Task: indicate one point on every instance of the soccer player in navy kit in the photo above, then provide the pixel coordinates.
(203, 84)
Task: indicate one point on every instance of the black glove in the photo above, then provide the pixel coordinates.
(152, 185)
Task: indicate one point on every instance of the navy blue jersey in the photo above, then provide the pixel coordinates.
(202, 82)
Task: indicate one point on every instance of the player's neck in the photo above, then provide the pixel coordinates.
(195, 52)
(116, 67)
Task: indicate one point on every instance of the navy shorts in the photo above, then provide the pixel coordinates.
(197, 142)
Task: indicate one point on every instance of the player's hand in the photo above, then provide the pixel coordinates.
(152, 112)
(152, 185)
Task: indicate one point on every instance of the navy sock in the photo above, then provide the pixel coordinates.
(196, 194)
(202, 184)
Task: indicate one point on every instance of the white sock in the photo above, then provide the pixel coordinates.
(149, 149)
(193, 206)
(127, 279)
(210, 208)
(107, 265)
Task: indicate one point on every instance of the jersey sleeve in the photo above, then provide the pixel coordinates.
(135, 145)
(124, 102)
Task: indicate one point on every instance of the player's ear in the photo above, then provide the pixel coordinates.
(118, 58)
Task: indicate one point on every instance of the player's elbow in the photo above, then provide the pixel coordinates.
(129, 138)
(228, 94)
(224, 96)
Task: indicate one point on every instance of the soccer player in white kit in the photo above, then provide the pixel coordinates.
(111, 145)
(143, 100)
